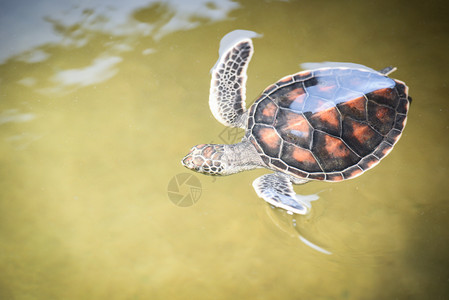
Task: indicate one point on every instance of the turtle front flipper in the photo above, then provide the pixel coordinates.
(228, 85)
(277, 189)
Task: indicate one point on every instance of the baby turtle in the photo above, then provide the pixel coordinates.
(326, 124)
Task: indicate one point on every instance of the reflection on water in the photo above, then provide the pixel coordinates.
(98, 102)
(12, 115)
(331, 64)
(100, 70)
(69, 24)
(33, 56)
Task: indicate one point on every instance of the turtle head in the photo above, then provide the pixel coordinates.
(207, 159)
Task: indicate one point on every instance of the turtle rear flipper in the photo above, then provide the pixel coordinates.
(388, 70)
(277, 189)
(228, 85)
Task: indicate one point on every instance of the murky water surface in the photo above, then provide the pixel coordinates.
(100, 101)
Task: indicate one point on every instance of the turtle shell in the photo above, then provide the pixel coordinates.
(328, 124)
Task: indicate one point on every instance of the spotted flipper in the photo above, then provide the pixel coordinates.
(228, 85)
(277, 189)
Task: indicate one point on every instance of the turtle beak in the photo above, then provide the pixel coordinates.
(187, 161)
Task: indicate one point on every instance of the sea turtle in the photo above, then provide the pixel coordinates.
(327, 124)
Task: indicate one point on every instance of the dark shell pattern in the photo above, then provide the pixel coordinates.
(328, 124)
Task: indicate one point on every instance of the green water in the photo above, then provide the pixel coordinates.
(99, 103)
